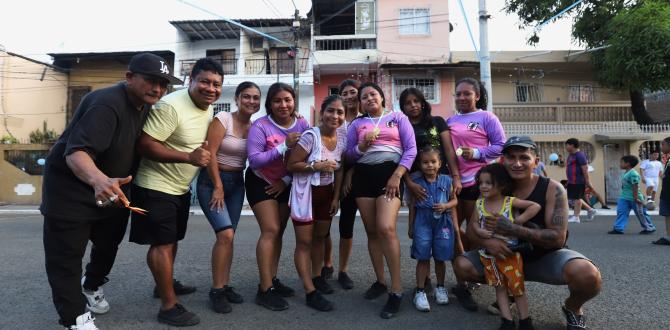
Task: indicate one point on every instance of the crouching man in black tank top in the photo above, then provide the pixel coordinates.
(548, 261)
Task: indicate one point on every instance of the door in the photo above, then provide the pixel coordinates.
(75, 94)
(612, 153)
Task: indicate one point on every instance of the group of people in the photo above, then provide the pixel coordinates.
(131, 151)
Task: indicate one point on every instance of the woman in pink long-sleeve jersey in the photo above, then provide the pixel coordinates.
(267, 184)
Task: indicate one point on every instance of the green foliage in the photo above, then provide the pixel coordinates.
(634, 34)
(638, 56)
(44, 135)
(8, 139)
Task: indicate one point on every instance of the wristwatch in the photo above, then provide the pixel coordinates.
(311, 166)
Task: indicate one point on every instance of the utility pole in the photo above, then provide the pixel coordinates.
(296, 58)
(484, 55)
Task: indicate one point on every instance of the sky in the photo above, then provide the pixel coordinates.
(35, 28)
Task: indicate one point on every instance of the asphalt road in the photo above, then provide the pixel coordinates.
(635, 294)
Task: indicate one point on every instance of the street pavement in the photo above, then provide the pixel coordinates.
(635, 293)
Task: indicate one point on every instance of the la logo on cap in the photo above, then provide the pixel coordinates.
(164, 68)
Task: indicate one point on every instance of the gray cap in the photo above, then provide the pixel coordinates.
(520, 141)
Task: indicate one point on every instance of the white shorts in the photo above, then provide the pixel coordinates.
(651, 182)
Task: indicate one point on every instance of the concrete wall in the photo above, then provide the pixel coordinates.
(30, 93)
(97, 74)
(408, 49)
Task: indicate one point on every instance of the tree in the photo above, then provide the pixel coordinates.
(632, 38)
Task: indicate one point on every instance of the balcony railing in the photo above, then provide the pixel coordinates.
(229, 65)
(619, 128)
(345, 42)
(273, 66)
(564, 112)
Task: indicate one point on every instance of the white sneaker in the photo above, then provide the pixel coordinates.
(573, 219)
(441, 296)
(650, 205)
(95, 300)
(84, 322)
(421, 302)
(591, 214)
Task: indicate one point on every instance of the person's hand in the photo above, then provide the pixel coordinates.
(497, 248)
(326, 166)
(292, 139)
(367, 141)
(216, 203)
(458, 186)
(639, 201)
(108, 191)
(200, 156)
(468, 153)
(334, 206)
(276, 188)
(346, 184)
(392, 187)
(483, 233)
(417, 190)
(499, 224)
(410, 232)
(440, 207)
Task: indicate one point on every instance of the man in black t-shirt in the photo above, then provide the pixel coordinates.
(546, 260)
(86, 178)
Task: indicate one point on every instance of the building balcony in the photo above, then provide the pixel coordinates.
(229, 65)
(270, 66)
(345, 42)
(563, 113)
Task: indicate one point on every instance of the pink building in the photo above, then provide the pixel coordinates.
(394, 43)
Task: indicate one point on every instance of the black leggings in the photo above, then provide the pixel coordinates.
(348, 210)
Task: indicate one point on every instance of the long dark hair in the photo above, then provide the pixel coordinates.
(274, 90)
(480, 90)
(426, 116)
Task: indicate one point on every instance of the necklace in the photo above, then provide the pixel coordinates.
(376, 124)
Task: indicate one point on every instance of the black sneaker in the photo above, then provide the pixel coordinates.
(506, 324)
(179, 289)
(392, 306)
(271, 299)
(526, 324)
(464, 297)
(282, 289)
(375, 291)
(575, 322)
(661, 241)
(647, 232)
(231, 295)
(178, 316)
(615, 232)
(217, 298)
(316, 300)
(321, 285)
(345, 281)
(327, 272)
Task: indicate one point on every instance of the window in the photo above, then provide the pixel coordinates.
(581, 93)
(528, 92)
(426, 85)
(333, 90)
(218, 107)
(415, 21)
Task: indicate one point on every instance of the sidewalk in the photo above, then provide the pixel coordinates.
(195, 210)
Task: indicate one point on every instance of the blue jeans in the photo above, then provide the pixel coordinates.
(623, 207)
(233, 197)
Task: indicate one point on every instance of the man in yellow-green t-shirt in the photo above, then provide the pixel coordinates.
(173, 147)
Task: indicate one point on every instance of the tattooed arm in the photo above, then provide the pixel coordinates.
(555, 219)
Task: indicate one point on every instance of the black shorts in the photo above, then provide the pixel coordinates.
(576, 191)
(255, 189)
(371, 180)
(470, 193)
(166, 219)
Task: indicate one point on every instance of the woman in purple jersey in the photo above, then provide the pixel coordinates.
(382, 144)
(477, 137)
(267, 184)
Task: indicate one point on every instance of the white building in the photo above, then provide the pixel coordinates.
(246, 55)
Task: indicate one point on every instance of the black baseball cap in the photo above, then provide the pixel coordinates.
(520, 141)
(152, 65)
